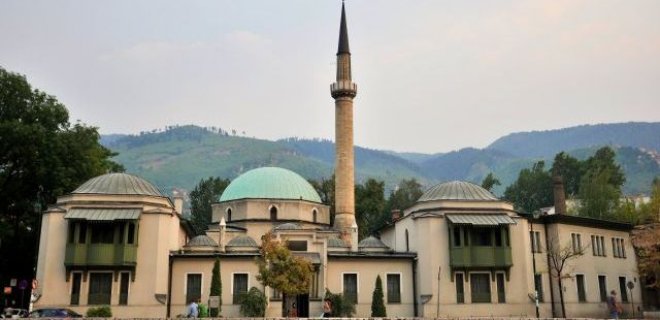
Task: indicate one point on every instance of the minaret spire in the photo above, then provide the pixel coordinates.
(343, 91)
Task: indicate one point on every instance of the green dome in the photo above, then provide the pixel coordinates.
(270, 183)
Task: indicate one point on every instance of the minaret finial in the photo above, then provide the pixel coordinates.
(343, 33)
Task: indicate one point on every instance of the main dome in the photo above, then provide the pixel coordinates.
(457, 190)
(270, 183)
(118, 183)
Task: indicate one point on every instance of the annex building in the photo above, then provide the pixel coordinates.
(458, 252)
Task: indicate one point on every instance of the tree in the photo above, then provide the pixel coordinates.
(490, 181)
(216, 288)
(42, 156)
(369, 207)
(206, 192)
(532, 190)
(253, 303)
(405, 195)
(645, 240)
(326, 190)
(377, 303)
(281, 270)
(571, 171)
(600, 186)
(558, 258)
(341, 307)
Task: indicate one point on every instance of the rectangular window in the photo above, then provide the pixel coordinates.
(498, 237)
(393, 288)
(618, 249)
(602, 286)
(82, 234)
(501, 295)
(131, 233)
(577, 242)
(582, 294)
(460, 290)
(593, 245)
(351, 287)
(193, 287)
(457, 237)
(538, 284)
(482, 237)
(623, 248)
(535, 237)
(75, 288)
(314, 286)
(297, 245)
(100, 288)
(598, 245)
(123, 288)
(102, 233)
(623, 289)
(72, 232)
(121, 233)
(240, 286)
(480, 287)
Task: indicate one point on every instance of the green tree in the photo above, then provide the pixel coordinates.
(206, 192)
(532, 190)
(405, 195)
(253, 303)
(281, 270)
(42, 156)
(490, 181)
(341, 307)
(571, 171)
(600, 186)
(377, 302)
(326, 190)
(216, 288)
(369, 206)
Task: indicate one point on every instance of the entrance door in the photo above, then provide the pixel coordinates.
(302, 305)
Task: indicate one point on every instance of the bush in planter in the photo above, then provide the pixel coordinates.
(99, 312)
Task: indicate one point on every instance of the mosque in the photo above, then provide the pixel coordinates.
(457, 252)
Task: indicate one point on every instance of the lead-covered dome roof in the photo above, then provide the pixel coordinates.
(270, 183)
(118, 183)
(457, 190)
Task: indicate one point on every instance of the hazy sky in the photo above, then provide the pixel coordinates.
(433, 76)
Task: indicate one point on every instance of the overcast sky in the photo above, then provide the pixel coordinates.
(433, 76)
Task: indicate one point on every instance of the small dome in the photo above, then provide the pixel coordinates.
(288, 226)
(335, 242)
(270, 183)
(372, 243)
(201, 241)
(118, 183)
(242, 241)
(457, 190)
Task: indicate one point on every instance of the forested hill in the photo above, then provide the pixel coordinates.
(179, 156)
(548, 143)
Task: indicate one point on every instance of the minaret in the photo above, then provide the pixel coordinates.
(343, 91)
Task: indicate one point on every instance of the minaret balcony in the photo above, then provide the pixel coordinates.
(343, 88)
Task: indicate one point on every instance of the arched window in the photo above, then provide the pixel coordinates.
(407, 242)
(228, 214)
(273, 213)
(314, 213)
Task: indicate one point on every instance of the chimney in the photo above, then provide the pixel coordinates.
(396, 214)
(559, 195)
(178, 203)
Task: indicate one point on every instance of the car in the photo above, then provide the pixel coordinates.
(13, 313)
(54, 313)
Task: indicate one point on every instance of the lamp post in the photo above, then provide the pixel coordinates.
(535, 215)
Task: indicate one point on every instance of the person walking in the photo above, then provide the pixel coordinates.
(613, 306)
(193, 309)
(327, 308)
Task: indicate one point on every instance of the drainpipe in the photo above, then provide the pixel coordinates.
(547, 258)
(414, 284)
(169, 285)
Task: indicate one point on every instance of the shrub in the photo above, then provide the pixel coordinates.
(377, 303)
(341, 307)
(253, 303)
(99, 312)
